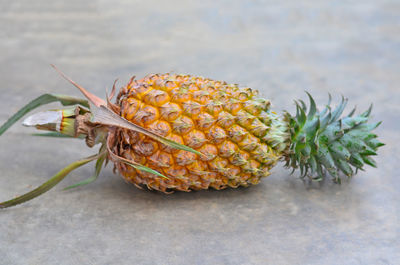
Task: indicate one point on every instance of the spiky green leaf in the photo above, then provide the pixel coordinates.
(313, 107)
(367, 112)
(339, 110)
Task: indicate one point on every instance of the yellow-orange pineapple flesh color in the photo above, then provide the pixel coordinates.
(226, 123)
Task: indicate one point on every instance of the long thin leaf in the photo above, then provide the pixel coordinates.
(48, 184)
(52, 134)
(99, 165)
(39, 101)
(145, 169)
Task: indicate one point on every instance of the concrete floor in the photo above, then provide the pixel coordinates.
(279, 47)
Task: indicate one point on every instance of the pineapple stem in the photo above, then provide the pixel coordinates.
(39, 101)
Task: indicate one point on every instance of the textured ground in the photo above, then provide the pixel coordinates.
(280, 47)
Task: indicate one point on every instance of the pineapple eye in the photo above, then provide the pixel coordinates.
(146, 115)
(227, 149)
(170, 111)
(194, 139)
(216, 134)
(204, 121)
(160, 127)
(184, 158)
(156, 97)
(182, 125)
(146, 147)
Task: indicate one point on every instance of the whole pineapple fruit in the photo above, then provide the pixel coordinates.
(180, 132)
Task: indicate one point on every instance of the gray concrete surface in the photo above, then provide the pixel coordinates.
(279, 47)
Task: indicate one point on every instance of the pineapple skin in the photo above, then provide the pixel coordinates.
(241, 139)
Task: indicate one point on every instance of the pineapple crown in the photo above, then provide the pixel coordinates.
(322, 141)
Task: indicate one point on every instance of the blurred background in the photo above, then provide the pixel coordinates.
(281, 48)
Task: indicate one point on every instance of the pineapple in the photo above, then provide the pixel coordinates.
(227, 125)
(179, 132)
